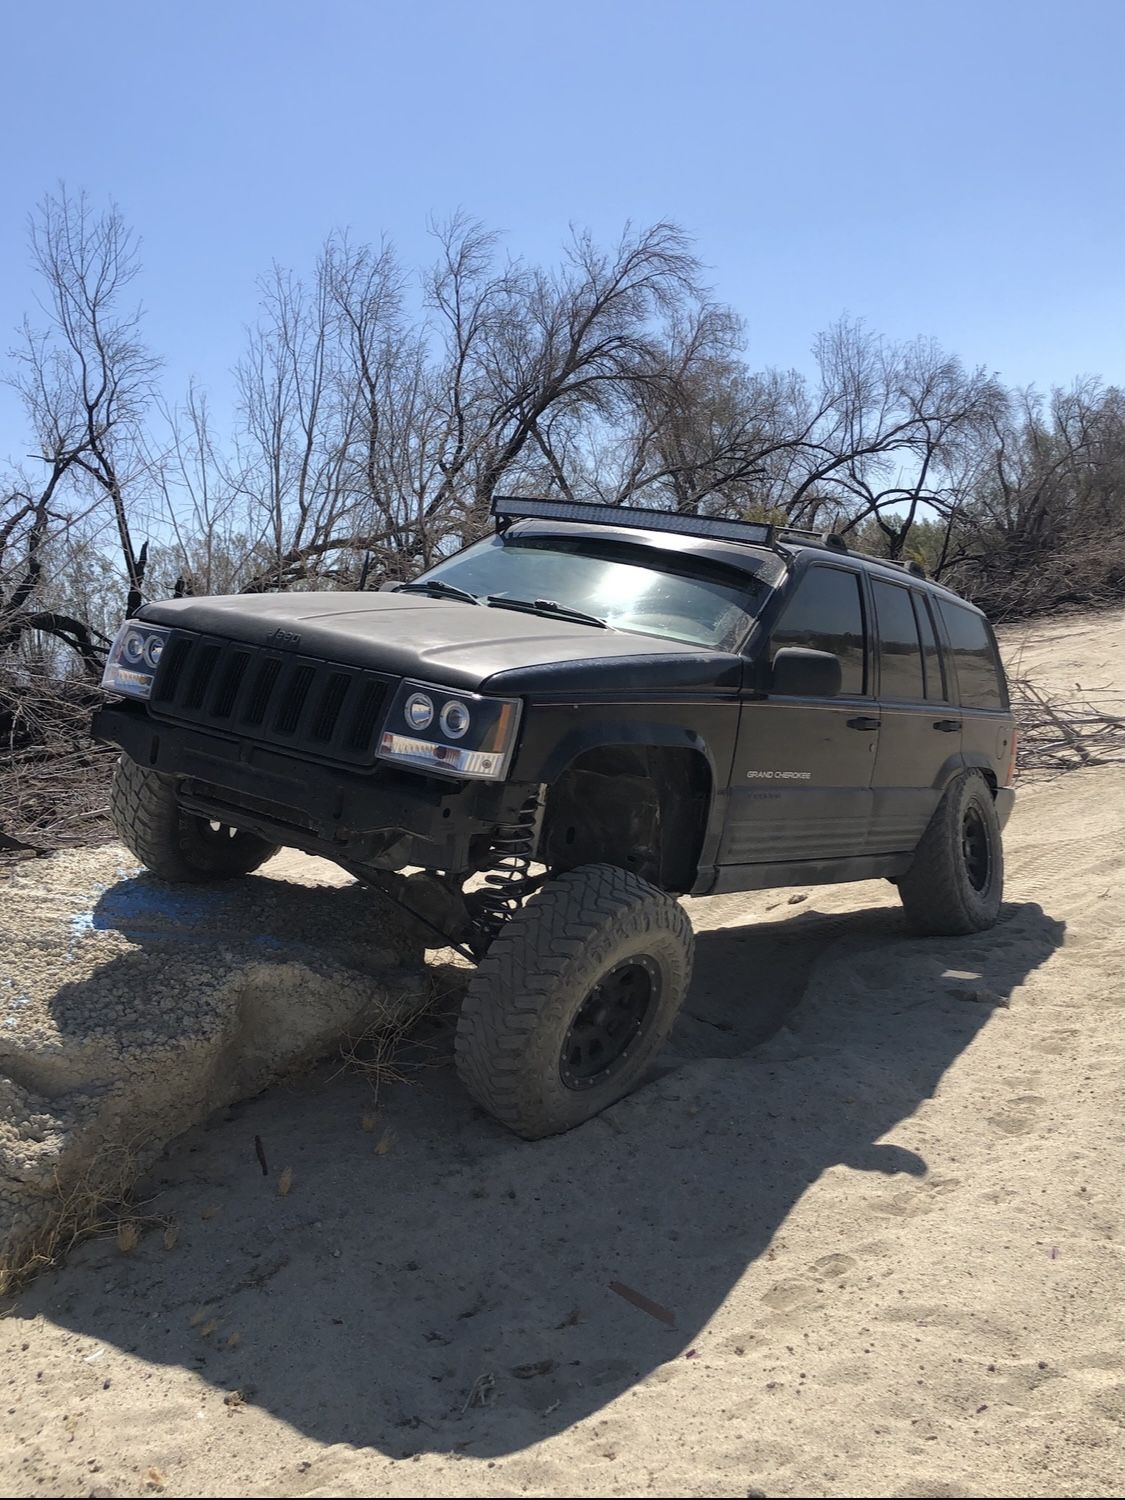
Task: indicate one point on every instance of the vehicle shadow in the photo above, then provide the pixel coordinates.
(432, 1284)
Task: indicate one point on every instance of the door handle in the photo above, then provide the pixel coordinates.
(863, 722)
(947, 726)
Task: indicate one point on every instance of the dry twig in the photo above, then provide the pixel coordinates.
(1062, 732)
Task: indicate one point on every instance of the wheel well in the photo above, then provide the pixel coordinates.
(641, 807)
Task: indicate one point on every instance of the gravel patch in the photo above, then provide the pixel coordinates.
(131, 1009)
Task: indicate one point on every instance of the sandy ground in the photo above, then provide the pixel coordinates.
(876, 1188)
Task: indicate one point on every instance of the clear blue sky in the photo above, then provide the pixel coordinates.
(956, 170)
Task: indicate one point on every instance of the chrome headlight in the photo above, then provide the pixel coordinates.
(419, 711)
(134, 658)
(454, 734)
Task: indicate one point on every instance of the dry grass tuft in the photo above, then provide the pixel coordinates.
(128, 1236)
(377, 1054)
(97, 1201)
(55, 789)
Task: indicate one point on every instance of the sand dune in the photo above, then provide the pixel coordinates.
(876, 1190)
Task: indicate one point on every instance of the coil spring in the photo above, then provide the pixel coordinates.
(506, 883)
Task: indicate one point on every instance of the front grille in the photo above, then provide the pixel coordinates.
(272, 697)
(264, 676)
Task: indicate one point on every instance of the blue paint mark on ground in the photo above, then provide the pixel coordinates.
(16, 1004)
(141, 900)
(139, 905)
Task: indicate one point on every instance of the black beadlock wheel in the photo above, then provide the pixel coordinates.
(172, 843)
(609, 1021)
(573, 1000)
(955, 882)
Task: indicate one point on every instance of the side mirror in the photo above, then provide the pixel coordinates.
(799, 672)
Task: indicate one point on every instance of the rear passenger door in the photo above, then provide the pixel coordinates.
(920, 732)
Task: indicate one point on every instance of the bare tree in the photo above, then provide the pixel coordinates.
(291, 439)
(937, 412)
(703, 435)
(529, 355)
(85, 379)
(1046, 521)
(371, 436)
(208, 531)
(877, 434)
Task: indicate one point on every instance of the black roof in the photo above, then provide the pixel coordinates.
(782, 550)
(870, 562)
(717, 538)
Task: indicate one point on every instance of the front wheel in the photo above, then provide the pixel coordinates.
(956, 880)
(573, 1000)
(172, 843)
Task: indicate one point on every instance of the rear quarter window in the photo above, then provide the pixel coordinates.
(980, 677)
(937, 688)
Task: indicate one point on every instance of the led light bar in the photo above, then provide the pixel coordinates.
(516, 508)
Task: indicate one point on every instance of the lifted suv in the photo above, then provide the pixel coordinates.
(560, 730)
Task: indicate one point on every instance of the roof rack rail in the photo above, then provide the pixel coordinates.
(835, 542)
(915, 569)
(831, 539)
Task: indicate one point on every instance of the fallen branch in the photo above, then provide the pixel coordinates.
(1062, 732)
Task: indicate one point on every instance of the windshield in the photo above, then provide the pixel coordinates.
(635, 588)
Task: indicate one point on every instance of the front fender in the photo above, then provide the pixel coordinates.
(552, 760)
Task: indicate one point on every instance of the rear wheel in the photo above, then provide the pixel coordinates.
(172, 843)
(573, 999)
(956, 880)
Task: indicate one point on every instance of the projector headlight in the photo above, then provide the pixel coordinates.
(133, 659)
(456, 720)
(419, 711)
(453, 734)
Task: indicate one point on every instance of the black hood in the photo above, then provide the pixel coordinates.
(459, 645)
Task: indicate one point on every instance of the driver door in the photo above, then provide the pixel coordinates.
(801, 781)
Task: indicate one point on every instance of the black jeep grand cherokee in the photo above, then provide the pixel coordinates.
(593, 711)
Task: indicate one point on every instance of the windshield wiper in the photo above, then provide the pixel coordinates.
(436, 586)
(546, 607)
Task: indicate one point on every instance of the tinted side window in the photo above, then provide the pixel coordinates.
(936, 688)
(900, 651)
(826, 614)
(974, 652)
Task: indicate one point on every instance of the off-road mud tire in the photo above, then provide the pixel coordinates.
(939, 893)
(172, 843)
(548, 959)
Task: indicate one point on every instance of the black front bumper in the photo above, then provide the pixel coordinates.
(382, 817)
